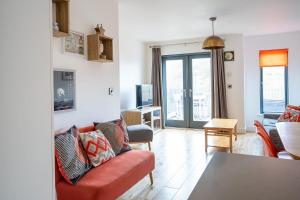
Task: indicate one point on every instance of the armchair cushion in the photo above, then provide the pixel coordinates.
(275, 138)
(140, 133)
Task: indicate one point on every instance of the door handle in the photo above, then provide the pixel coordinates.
(184, 93)
(190, 93)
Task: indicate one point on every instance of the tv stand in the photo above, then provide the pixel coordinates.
(149, 115)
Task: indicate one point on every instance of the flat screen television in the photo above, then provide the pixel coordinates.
(144, 96)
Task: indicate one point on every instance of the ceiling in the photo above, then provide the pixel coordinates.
(160, 20)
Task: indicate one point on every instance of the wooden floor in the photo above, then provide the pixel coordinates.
(180, 161)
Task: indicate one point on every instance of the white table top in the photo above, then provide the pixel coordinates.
(289, 133)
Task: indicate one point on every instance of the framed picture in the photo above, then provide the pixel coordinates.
(64, 89)
(229, 56)
(74, 43)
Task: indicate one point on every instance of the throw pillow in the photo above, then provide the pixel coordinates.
(121, 122)
(289, 116)
(115, 135)
(97, 147)
(291, 107)
(71, 159)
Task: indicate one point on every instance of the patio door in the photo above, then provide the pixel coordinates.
(187, 90)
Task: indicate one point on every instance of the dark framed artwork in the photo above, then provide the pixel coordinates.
(229, 56)
(64, 89)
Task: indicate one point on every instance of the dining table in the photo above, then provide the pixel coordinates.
(230, 176)
(289, 133)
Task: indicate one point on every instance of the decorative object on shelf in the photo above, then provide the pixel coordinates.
(64, 89)
(103, 56)
(229, 56)
(55, 27)
(101, 48)
(100, 30)
(60, 15)
(213, 42)
(74, 43)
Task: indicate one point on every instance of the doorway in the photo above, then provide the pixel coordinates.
(187, 90)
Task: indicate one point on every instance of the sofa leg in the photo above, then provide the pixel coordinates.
(151, 178)
(149, 146)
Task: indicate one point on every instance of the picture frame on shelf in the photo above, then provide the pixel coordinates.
(74, 43)
(64, 84)
(228, 55)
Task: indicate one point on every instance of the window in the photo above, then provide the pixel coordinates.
(273, 66)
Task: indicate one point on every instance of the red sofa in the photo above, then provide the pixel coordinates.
(109, 180)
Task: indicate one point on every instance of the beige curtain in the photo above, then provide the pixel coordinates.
(156, 80)
(219, 100)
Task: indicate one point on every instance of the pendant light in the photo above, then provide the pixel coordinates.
(213, 42)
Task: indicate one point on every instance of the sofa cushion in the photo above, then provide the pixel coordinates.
(111, 179)
(121, 122)
(71, 159)
(97, 147)
(292, 107)
(140, 133)
(289, 116)
(115, 135)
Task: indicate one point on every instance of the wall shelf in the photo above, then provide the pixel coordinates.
(60, 15)
(94, 42)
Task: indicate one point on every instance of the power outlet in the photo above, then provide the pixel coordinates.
(111, 91)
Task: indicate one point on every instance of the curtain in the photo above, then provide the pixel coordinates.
(219, 101)
(156, 80)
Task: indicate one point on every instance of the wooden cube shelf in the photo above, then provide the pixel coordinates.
(93, 48)
(61, 16)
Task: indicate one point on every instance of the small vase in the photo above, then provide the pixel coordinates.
(55, 27)
(101, 48)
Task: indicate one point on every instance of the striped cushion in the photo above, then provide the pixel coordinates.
(71, 158)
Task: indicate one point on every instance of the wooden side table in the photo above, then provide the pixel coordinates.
(220, 127)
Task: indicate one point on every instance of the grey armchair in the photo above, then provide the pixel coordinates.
(140, 133)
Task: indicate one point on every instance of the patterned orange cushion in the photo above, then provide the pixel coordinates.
(291, 107)
(289, 116)
(97, 147)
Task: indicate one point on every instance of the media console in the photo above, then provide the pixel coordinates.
(150, 115)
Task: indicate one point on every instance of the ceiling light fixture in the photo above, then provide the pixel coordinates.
(213, 42)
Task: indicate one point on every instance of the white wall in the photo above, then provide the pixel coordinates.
(234, 70)
(93, 103)
(132, 63)
(252, 45)
(26, 144)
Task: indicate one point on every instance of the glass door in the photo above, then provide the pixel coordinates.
(199, 90)
(187, 90)
(175, 94)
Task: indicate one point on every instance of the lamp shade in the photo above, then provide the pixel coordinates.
(213, 42)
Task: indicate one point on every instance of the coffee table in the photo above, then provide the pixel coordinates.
(220, 127)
